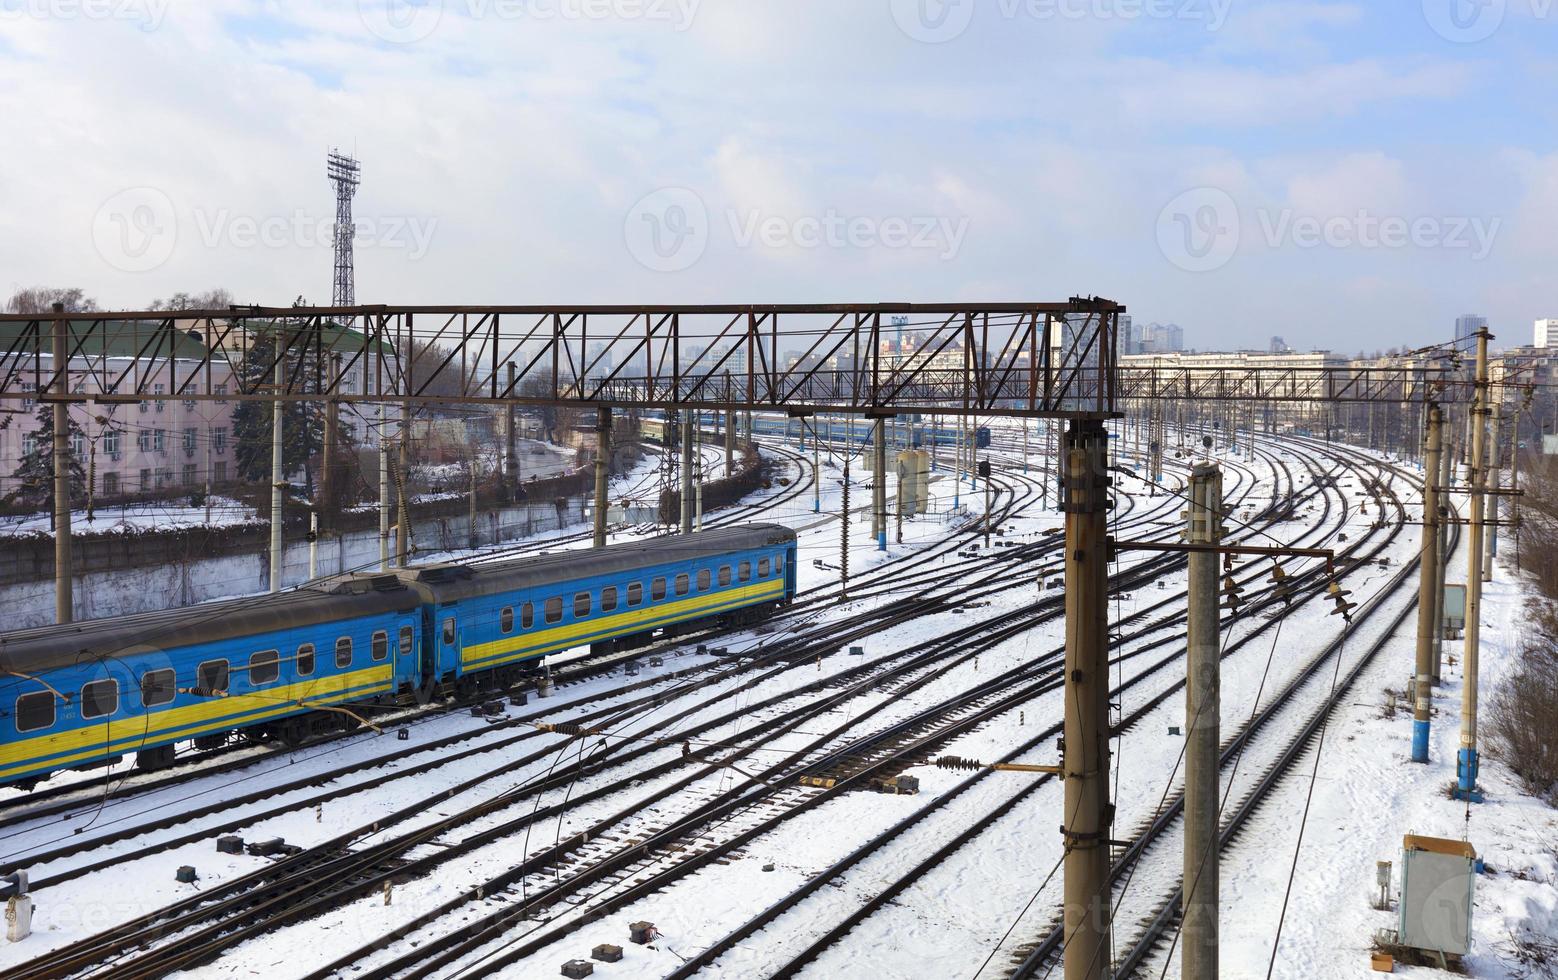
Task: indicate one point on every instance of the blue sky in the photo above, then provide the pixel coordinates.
(1349, 175)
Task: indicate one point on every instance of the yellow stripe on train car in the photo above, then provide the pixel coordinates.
(93, 739)
(562, 637)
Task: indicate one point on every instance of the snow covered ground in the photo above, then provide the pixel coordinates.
(975, 905)
(128, 518)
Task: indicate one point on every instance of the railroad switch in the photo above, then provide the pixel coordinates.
(897, 785)
(820, 782)
(642, 933)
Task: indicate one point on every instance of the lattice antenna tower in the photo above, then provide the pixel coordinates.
(344, 173)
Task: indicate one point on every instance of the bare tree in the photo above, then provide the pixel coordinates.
(41, 299)
(213, 299)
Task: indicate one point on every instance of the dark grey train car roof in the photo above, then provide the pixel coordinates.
(47, 647)
(448, 583)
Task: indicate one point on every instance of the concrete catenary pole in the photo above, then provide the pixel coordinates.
(64, 600)
(511, 441)
(602, 471)
(277, 477)
(470, 468)
(1494, 478)
(816, 470)
(1428, 582)
(730, 443)
(384, 491)
(1466, 759)
(1087, 814)
(1442, 551)
(844, 535)
(879, 486)
(403, 521)
(1203, 721)
(689, 447)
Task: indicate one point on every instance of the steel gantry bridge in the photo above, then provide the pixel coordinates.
(1056, 360)
(1047, 359)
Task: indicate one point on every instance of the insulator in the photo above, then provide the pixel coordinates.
(569, 728)
(955, 762)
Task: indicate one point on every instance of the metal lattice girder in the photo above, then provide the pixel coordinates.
(1320, 384)
(1034, 359)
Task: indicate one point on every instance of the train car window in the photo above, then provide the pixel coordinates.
(264, 667)
(704, 580)
(156, 688)
(379, 647)
(581, 605)
(762, 568)
(608, 598)
(724, 576)
(657, 590)
(683, 584)
(99, 698)
(35, 711)
(554, 609)
(211, 676)
(449, 632)
(305, 661)
(746, 571)
(506, 619)
(343, 653)
(527, 615)
(407, 638)
(779, 564)
(635, 593)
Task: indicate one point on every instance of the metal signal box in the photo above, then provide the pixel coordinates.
(1437, 879)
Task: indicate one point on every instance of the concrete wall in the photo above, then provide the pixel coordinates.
(196, 577)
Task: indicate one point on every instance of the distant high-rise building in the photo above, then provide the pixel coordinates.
(1126, 341)
(1546, 333)
(1280, 346)
(1163, 338)
(1466, 327)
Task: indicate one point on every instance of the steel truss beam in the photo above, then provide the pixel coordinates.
(1026, 359)
(1326, 384)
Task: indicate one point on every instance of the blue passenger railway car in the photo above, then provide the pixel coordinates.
(297, 665)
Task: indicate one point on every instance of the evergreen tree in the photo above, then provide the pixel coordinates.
(302, 423)
(35, 472)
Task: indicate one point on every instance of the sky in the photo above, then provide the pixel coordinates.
(1348, 175)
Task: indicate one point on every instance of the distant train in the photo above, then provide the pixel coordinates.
(284, 667)
(834, 429)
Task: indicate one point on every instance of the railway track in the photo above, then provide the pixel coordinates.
(832, 639)
(356, 878)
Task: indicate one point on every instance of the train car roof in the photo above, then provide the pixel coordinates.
(448, 583)
(48, 647)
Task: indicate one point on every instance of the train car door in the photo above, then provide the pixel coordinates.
(448, 626)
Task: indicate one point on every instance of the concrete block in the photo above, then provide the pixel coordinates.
(578, 968)
(606, 953)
